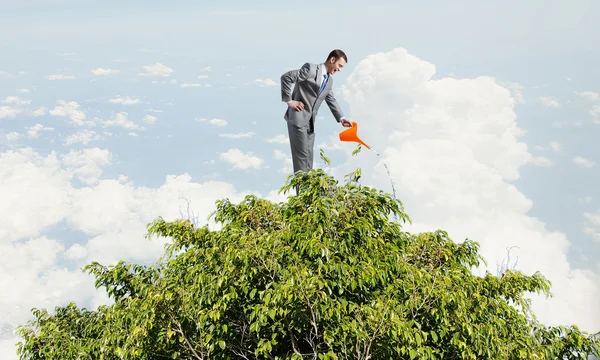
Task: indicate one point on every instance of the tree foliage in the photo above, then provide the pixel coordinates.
(325, 275)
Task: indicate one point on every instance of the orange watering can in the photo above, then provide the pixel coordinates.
(351, 136)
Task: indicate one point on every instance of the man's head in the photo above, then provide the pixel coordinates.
(335, 61)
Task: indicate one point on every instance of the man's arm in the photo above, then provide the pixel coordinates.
(289, 78)
(337, 112)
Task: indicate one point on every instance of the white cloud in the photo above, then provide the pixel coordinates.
(13, 136)
(24, 91)
(586, 199)
(549, 101)
(121, 120)
(542, 161)
(33, 132)
(595, 112)
(583, 162)
(70, 110)
(265, 82)
(218, 122)
(60, 77)
(15, 100)
(110, 218)
(156, 70)
(330, 147)
(560, 124)
(150, 119)
(125, 101)
(202, 76)
(287, 161)
(76, 252)
(279, 139)
(589, 95)
(238, 135)
(39, 112)
(34, 196)
(517, 91)
(82, 137)
(7, 75)
(453, 148)
(592, 225)
(274, 196)
(214, 121)
(87, 164)
(241, 160)
(101, 71)
(8, 112)
(188, 85)
(554, 146)
(29, 270)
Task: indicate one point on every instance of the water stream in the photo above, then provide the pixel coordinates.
(390, 178)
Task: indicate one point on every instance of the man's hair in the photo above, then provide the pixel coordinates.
(336, 54)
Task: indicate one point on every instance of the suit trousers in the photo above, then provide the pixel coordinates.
(302, 140)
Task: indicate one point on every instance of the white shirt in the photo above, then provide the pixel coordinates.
(323, 72)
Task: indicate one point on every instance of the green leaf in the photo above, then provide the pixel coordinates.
(323, 157)
(413, 353)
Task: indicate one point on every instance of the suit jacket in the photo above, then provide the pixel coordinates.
(307, 83)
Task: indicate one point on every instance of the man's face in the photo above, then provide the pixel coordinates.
(336, 65)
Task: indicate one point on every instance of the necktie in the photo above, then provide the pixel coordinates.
(323, 84)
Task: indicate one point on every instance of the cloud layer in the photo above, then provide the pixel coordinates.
(105, 220)
(453, 148)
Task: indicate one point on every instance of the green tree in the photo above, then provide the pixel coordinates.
(325, 275)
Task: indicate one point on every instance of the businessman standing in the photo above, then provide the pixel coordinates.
(313, 84)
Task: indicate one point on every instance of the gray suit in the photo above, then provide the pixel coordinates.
(301, 124)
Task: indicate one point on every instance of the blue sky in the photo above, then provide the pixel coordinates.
(429, 84)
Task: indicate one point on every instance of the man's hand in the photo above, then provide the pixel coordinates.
(297, 105)
(346, 123)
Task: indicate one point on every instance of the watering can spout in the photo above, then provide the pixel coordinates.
(350, 135)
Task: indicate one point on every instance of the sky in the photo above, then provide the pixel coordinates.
(113, 113)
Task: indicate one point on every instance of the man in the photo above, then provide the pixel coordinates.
(313, 84)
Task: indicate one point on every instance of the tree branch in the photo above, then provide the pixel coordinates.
(182, 333)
